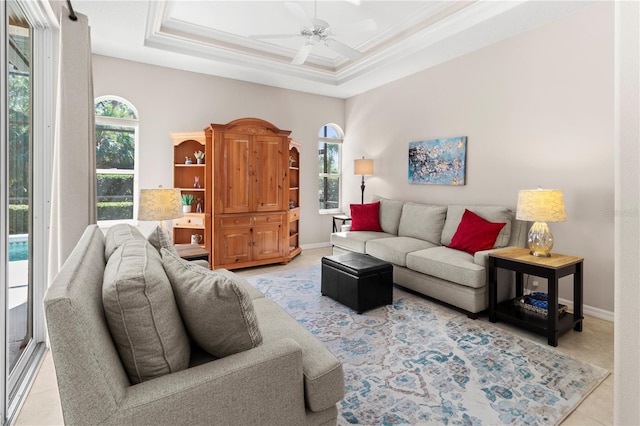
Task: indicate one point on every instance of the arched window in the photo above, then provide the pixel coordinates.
(330, 168)
(116, 158)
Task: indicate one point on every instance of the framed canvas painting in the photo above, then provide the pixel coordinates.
(438, 161)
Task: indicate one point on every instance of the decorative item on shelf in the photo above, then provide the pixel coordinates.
(292, 205)
(160, 204)
(291, 161)
(199, 157)
(196, 239)
(198, 205)
(363, 167)
(196, 182)
(187, 201)
(540, 206)
(187, 160)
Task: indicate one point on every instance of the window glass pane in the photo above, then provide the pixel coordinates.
(329, 158)
(114, 108)
(115, 196)
(19, 165)
(329, 132)
(329, 193)
(115, 147)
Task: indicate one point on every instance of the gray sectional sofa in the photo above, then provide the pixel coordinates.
(289, 378)
(414, 239)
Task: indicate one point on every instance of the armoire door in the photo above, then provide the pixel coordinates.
(269, 182)
(235, 173)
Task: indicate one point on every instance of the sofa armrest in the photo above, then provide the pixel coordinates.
(263, 385)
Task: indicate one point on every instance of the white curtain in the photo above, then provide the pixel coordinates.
(73, 193)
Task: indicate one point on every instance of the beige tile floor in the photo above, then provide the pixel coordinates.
(594, 345)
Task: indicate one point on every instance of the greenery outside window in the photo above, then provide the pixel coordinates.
(330, 168)
(116, 159)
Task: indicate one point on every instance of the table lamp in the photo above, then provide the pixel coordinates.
(160, 204)
(363, 167)
(540, 206)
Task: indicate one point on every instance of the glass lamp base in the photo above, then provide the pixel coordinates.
(540, 240)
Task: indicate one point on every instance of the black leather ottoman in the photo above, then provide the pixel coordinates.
(357, 280)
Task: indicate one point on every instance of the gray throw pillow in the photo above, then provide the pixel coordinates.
(142, 314)
(217, 312)
(119, 234)
(160, 239)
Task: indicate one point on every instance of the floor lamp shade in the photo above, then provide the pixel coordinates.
(160, 204)
(364, 167)
(540, 206)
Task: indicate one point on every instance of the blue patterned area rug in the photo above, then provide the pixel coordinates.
(418, 362)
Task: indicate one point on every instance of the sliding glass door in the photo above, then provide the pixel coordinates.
(25, 127)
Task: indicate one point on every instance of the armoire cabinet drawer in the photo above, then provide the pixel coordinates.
(230, 222)
(271, 219)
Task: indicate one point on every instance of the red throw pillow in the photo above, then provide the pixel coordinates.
(365, 217)
(475, 233)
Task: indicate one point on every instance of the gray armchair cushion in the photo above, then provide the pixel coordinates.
(160, 239)
(490, 213)
(119, 234)
(218, 312)
(142, 314)
(422, 221)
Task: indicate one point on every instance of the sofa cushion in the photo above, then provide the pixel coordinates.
(365, 217)
(475, 233)
(395, 249)
(217, 312)
(356, 241)
(160, 239)
(390, 212)
(119, 234)
(422, 221)
(448, 264)
(142, 314)
(323, 374)
(490, 213)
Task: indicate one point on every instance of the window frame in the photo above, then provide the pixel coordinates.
(337, 141)
(123, 122)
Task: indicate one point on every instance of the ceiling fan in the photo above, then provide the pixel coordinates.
(315, 31)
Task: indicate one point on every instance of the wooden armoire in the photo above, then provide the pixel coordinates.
(250, 193)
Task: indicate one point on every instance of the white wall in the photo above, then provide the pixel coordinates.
(627, 297)
(537, 110)
(170, 100)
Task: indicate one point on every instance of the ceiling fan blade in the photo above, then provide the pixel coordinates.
(302, 54)
(343, 49)
(357, 27)
(298, 11)
(267, 36)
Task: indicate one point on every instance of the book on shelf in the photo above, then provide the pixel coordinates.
(536, 303)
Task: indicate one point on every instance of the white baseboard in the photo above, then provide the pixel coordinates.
(315, 246)
(590, 310)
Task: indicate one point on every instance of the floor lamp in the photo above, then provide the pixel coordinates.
(364, 167)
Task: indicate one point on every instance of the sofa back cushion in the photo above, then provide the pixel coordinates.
(390, 212)
(119, 234)
(422, 221)
(490, 213)
(217, 310)
(142, 313)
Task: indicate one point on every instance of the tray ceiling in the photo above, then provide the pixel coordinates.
(214, 37)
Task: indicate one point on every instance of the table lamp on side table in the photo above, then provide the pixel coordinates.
(540, 206)
(160, 204)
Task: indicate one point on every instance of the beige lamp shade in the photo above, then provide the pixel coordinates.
(541, 205)
(363, 166)
(160, 204)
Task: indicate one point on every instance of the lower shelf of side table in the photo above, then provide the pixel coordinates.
(508, 312)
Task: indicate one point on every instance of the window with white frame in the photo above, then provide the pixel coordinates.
(330, 168)
(116, 158)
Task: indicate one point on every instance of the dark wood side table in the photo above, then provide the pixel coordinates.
(193, 252)
(343, 217)
(552, 268)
